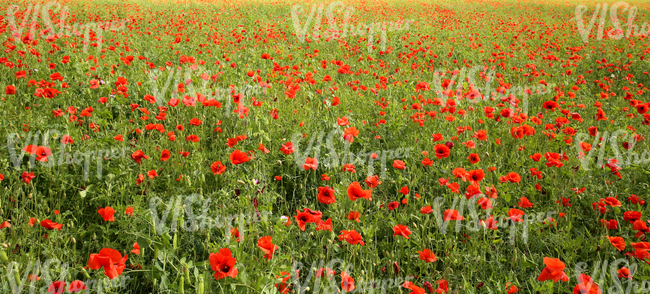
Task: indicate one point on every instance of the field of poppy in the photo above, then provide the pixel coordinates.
(490, 146)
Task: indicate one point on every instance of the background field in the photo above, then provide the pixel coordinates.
(522, 42)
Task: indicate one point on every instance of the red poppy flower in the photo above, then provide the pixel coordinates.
(373, 181)
(57, 287)
(416, 290)
(350, 133)
(165, 155)
(223, 264)
(554, 270)
(310, 163)
(28, 177)
(303, 218)
(515, 215)
(287, 148)
(398, 164)
(136, 248)
(10, 90)
(107, 214)
(355, 192)
(76, 286)
(443, 286)
(427, 162)
(349, 168)
(138, 155)
(267, 246)
(474, 158)
(401, 230)
(238, 157)
(152, 173)
(586, 285)
(110, 259)
(442, 151)
(476, 176)
(347, 282)
(326, 195)
(624, 273)
(263, 149)
(351, 237)
(617, 242)
(427, 255)
(452, 214)
(217, 168)
(513, 177)
(324, 225)
(354, 216)
(525, 203)
(50, 225)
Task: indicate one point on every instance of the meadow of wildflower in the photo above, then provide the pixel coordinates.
(426, 146)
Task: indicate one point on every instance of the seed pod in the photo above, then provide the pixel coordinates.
(201, 287)
(3, 256)
(181, 285)
(85, 273)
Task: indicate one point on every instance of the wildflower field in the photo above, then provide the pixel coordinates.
(489, 146)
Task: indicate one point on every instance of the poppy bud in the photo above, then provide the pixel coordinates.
(449, 144)
(395, 267)
(383, 270)
(480, 285)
